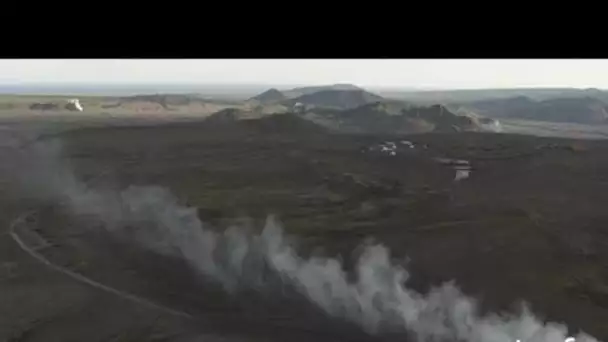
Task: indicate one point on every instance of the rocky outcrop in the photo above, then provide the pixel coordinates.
(225, 116)
(383, 117)
(270, 95)
(442, 119)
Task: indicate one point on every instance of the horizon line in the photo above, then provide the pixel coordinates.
(274, 85)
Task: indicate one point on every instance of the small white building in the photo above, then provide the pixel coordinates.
(74, 105)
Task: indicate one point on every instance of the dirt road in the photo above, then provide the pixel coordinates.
(41, 300)
(38, 303)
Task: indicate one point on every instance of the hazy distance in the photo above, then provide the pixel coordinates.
(406, 74)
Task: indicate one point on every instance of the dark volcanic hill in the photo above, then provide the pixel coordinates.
(382, 117)
(587, 110)
(353, 111)
(297, 92)
(270, 95)
(442, 119)
(225, 116)
(339, 99)
(284, 123)
(238, 122)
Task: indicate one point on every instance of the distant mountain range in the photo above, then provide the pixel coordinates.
(243, 91)
(338, 96)
(349, 108)
(240, 91)
(585, 110)
(343, 104)
(471, 95)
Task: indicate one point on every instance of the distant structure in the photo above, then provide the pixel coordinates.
(299, 108)
(74, 105)
(492, 125)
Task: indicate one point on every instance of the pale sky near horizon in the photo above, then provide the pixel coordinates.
(407, 73)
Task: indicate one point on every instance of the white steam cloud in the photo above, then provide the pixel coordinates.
(376, 299)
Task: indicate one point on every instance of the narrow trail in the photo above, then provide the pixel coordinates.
(20, 224)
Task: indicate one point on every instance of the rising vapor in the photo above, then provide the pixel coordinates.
(377, 299)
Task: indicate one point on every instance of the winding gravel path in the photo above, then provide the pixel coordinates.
(20, 224)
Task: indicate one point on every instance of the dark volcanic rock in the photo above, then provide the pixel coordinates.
(442, 118)
(381, 117)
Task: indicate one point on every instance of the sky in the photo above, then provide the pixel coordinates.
(390, 73)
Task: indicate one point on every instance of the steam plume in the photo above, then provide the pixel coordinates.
(377, 300)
